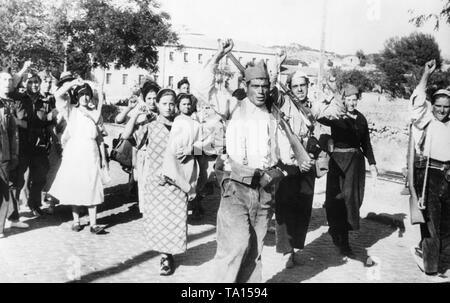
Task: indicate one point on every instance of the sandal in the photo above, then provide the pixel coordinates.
(98, 229)
(167, 265)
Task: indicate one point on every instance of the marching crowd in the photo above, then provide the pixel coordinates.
(264, 163)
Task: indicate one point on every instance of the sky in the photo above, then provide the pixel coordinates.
(350, 24)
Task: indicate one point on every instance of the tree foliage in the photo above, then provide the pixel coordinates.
(124, 36)
(25, 33)
(402, 61)
(99, 31)
(437, 18)
(360, 79)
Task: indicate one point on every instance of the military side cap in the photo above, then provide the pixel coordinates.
(259, 71)
(350, 90)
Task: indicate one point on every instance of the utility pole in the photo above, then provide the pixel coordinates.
(322, 45)
(66, 46)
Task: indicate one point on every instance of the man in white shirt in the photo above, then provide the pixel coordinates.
(251, 149)
(432, 133)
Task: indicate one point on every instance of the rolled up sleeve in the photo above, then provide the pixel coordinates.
(420, 109)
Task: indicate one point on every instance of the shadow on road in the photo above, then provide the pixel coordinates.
(189, 258)
(317, 220)
(115, 196)
(321, 254)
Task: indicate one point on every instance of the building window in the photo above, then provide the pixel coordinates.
(171, 81)
(141, 79)
(171, 56)
(108, 78)
(185, 57)
(124, 79)
(200, 58)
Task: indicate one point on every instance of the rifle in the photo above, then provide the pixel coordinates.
(299, 150)
(415, 213)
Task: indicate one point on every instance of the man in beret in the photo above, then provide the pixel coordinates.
(431, 129)
(251, 145)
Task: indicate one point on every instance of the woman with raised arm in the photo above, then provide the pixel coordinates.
(347, 170)
(162, 200)
(78, 181)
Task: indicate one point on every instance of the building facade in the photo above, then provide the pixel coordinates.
(176, 62)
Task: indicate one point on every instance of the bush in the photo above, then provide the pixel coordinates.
(402, 61)
(358, 78)
(109, 113)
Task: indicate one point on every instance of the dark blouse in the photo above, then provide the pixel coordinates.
(351, 133)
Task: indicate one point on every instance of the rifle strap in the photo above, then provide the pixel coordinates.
(425, 179)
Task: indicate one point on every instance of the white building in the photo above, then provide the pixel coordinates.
(175, 63)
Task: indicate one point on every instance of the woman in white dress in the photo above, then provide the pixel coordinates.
(78, 181)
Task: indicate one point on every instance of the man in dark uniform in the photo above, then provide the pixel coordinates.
(8, 148)
(294, 197)
(34, 120)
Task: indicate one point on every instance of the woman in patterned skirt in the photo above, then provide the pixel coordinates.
(163, 204)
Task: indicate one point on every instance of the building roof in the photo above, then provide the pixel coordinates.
(204, 42)
(309, 71)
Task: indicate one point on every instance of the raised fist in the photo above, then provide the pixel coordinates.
(430, 67)
(225, 46)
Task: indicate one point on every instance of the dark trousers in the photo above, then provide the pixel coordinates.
(436, 231)
(242, 222)
(38, 164)
(293, 207)
(335, 204)
(4, 194)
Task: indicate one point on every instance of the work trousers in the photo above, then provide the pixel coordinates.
(435, 231)
(242, 222)
(38, 164)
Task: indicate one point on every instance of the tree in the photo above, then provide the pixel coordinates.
(403, 59)
(443, 15)
(24, 34)
(362, 58)
(101, 33)
(123, 36)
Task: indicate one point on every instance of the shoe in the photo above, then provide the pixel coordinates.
(167, 265)
(290, 261)
(18, 224)
(77, 227)
(98, 229)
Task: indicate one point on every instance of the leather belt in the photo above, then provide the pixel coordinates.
(442, 166)
(345, 150)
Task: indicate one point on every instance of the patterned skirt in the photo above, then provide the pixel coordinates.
(164, 209)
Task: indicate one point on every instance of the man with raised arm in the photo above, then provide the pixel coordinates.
(432, 135)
